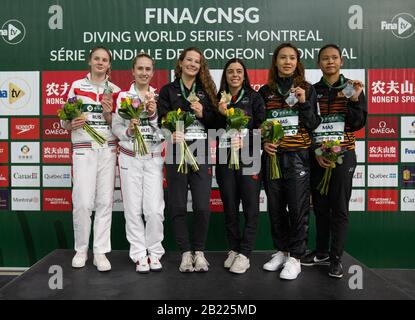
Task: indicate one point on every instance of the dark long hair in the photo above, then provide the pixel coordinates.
(224, 84)
(203, 75)
(299, 73)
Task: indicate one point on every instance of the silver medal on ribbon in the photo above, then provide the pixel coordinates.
(291, 99)
(349, 90)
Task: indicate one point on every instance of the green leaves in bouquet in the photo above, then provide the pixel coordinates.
(236, 119)
(173, 117)
(272, 131)
(70, 110)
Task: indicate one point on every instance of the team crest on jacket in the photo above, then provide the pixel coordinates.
(245, 101)
(201, 94)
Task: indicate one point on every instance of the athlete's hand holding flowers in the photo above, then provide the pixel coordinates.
(272, 132)
(131, 109)
(328, 155)
(72, 111)
(236, 120)
(176, 122)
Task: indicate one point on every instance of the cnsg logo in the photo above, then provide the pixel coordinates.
(402, 25)
(13, 31)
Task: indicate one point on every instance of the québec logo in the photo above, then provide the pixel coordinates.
(402, 25)
(13, 31)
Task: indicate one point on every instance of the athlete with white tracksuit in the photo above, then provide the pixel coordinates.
(93, 164)
(142, 176)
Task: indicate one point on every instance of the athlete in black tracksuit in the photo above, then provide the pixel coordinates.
(290, 100)
(290, 229)
(332, 210)
(241, 185)
(171, 98)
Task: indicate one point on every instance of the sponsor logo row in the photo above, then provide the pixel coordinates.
(29, 152)
(385, 151)
(30, 176)
(60, 176)
(384, 176)
(390, 91)
(61, 152)
(61, 200)
(29, 128)
(382, 200)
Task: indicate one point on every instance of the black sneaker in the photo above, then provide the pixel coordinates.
(336, 269)
(313, 258)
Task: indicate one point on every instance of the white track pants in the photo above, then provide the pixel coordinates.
(93, 187)
(143, 198)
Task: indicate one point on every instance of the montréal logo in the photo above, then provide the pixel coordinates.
(402, 25)
(13, 31)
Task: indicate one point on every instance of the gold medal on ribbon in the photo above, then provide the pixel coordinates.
(192, 98)
(226, 97)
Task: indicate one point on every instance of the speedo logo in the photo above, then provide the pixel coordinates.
(22, 128)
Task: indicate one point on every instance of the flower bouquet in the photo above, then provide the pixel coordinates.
(72, 110)
(272, 131)
(236, 119)
(332, 151)
(180, 120)
(133, 108)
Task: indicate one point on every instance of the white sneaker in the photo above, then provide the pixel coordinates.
(277, 261)
(142, 266)
(155, 264)
(201, 264)
(292, 269)
(240, 265)
(79, 259)
(231, 258)
(101, 262)
(187, 262)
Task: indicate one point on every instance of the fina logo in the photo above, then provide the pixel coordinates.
(402, 25)
(13, 32)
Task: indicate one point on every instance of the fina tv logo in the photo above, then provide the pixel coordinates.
(13, 31)
(402, 25)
